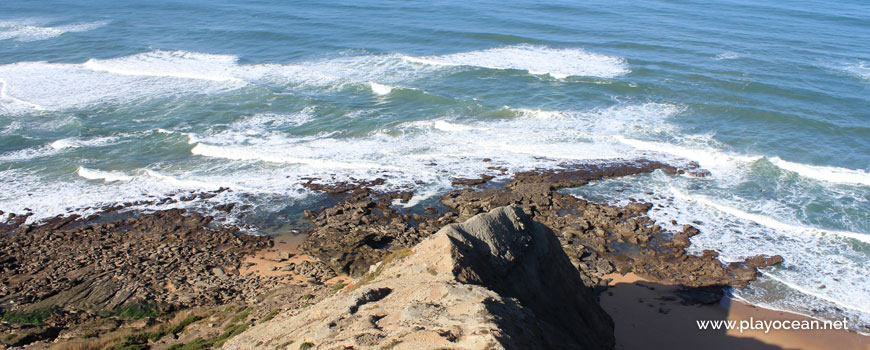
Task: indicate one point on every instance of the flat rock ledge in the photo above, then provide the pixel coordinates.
(496, 281)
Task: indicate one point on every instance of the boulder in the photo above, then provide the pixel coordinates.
(497, 281)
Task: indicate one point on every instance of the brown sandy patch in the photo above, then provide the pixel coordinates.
(271, 262)
(649, 316)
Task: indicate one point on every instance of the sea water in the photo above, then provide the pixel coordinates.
(104, 102)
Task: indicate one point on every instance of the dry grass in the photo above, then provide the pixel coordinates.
(98, 343)
(106, 340)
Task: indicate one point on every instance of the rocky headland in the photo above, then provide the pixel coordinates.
(496, 281)
(502, 263)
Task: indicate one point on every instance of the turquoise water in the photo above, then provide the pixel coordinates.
(103, 103)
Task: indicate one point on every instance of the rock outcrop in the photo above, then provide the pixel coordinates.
(599, 239)
(354, 234)
(74, 269)
(497, 281)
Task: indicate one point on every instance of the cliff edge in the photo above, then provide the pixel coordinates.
(496, 281)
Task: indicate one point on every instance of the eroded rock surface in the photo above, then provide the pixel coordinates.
(165, 259)
(496, 281)
(361, 230)
(598, 238)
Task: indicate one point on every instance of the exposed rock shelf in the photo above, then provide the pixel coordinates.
(496, 281)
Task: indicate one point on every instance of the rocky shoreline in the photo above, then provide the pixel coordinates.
(62, 276)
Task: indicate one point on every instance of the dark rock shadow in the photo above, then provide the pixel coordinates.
(651, 315)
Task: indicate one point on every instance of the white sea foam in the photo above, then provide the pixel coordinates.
(421, 195)
(443, 125)
(813, 256)
(56, 147)
(538, 60)
(437, 150)
(29, 31)
(76, 142)
(714, 159)
(824, 173)
(860, 70)
(766, 220)
(27, 154)
(28, 86)
(278, 155)
(171, 64)
(156, 74)
(107, 176)
(709, 158)
(262, 123)
(48, 197)
(380, 89)
(729, 55)
(539, 113)
(14, 105)
(57, 86)
(814, 292)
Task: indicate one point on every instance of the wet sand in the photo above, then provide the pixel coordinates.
(648, 316)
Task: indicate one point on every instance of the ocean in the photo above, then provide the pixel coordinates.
(104, 103)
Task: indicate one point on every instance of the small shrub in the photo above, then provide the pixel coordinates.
(307, 297)
(125, 346)
(196, 344)
(338, 286)
(35, 317)
(137, 341)
(177, 328)
(270, 315)
(241, 315)
(229, 332)
(136, 312)
(306, 346)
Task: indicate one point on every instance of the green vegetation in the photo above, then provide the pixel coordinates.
(35, 317)
(127, 346)
(138, 341)
(307, 297)
(196, 344)
(338, 286)
(136, 312)
(154, 336)
(241, 315)
(216, 342)
(270, 315)
(306, 346)
(8, 337)
(229, 332)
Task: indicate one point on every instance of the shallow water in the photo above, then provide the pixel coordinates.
(101, 104)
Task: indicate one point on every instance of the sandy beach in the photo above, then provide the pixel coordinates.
(648, 316)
